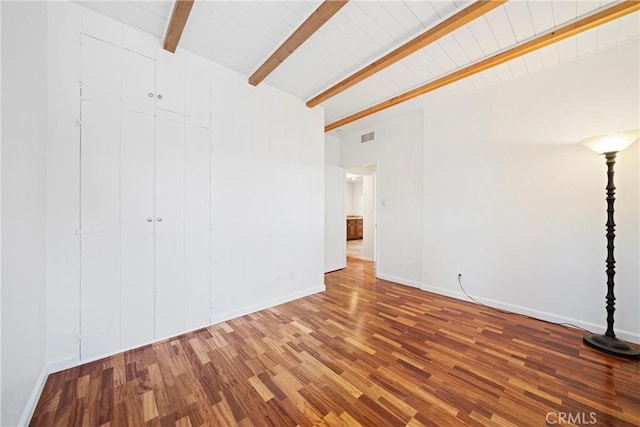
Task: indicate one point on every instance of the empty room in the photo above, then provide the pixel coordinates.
(304, 213)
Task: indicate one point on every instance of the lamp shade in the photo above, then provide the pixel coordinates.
(611, 142)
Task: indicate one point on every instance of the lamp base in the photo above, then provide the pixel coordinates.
(612, 346)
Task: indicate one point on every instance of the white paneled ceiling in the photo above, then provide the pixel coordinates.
(242, 34)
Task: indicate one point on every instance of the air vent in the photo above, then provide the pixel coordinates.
(367, 137)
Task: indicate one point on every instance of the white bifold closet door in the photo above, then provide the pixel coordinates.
(138, 233)
(170, 227)
(138, 83)
(182, 227)
(145, 228)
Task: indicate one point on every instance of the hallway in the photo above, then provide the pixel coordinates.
(355, 249)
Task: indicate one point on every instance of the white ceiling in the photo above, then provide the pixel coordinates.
(242, 34)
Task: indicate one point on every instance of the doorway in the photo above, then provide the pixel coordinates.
(360, 209)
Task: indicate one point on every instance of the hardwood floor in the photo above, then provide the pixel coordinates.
(365, 352)
(355, 248)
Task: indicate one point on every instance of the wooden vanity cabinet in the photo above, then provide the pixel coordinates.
(354, 228)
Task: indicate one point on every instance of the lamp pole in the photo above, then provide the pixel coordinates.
(608, 343)
(611, 235)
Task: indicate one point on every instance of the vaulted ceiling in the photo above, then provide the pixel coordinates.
(243, 34)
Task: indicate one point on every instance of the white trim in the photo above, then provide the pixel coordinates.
(61, 365)
(399, 280)
(73, 362)
(30, 407)
(536, 314)
(232, 314)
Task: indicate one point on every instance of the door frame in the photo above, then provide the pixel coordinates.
(369, 169)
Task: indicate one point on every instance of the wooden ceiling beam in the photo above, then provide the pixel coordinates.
(181, 10)
(317, 19)
(447, 26)
(576, 27)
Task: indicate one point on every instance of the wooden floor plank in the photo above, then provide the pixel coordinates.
(365, 352)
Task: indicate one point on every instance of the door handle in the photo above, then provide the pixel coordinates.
(159, 219)
(149, 219)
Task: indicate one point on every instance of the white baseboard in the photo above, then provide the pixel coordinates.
(30, 407)
(398, 280)
(223, 317)
(232, 314)
(61, 365)
(622, 334)
(537, 314)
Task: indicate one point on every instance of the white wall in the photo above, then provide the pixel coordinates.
(397, 150)
(516, 205)
(24, 84)
(267, 196)
(509, 198)
(1, 214)
(331, 150)
(63, 196)
(335, 249)
(368, 216)
(354, 198)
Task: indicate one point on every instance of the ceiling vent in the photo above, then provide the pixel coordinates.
(367, 137)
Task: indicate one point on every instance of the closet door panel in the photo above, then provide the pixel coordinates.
(101, 74)
(138, 133)
(170, 88)
(138, 83)
(100, 237)
(197, 226)
(170, 224)
(198, 96)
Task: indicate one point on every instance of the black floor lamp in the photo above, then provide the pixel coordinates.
(609, 145)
